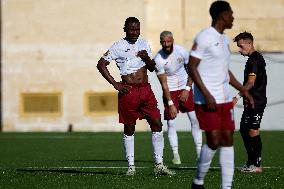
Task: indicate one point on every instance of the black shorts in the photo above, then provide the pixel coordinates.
(251, 118)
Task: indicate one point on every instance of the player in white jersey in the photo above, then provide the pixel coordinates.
(171, 67)
(209, 69)
(136, 99)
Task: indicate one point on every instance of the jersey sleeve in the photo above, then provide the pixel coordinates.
(252, 68)
(148, 49)
(111, 54)
(159, 67)
(199, 47)
(185, 54)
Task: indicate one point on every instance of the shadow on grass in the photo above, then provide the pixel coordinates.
(193, 168)
(70, 171)
(109, 160)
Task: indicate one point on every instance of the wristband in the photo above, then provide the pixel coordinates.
(170, 102)
(187, 88)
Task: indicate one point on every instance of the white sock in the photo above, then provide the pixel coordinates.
(204, 162)
(196, 132)
(128, 142)
(227, 166)
(158, 146)
(172, 135)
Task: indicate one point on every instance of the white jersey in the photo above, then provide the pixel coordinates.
(213, 50)
(125, 55)
(173, 65)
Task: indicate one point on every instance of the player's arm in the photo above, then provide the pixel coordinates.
(251, 80)
(193, 64)
(163, 81)
(150, 63)
(243, 89)
(185, 93)
(102, 67)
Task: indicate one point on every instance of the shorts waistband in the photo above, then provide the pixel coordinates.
(137, 84)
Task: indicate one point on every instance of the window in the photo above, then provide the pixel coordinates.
(41, 104)
(101, 103)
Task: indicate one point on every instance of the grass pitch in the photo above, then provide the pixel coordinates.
(96, 160)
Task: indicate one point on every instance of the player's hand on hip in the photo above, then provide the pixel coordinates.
(184, 95)
(172, 111)
(210, 102)
(235, 100)
(122, 88)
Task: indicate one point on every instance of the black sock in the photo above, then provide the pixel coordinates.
(248, 146)
(257, 147)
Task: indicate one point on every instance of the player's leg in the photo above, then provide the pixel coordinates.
(210, 123)
(244, 130)
(127, 116)
(158, 147)
(227, 158)
(149, 108)
(255, 138)
(208, 151)
(257, 147)
(196, 132)
(172, 133)
(157, 139)
(173, 140)
(128, 141)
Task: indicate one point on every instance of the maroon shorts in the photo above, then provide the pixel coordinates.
(187, 106)
(138, 103)
(221, 119)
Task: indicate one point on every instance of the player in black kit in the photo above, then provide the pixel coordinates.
(255, 80)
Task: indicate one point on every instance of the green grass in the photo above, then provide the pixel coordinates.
(68, 160)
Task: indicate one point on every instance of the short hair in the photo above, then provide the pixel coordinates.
(165, 34)
(217, 7)
(130, 20)
(244, 35)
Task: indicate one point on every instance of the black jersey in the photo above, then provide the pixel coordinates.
(255, 65)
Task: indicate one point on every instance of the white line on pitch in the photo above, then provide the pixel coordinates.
(98, 167)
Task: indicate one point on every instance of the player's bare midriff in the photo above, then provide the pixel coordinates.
(138, 77)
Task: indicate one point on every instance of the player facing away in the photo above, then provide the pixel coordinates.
(171, 67)
(136, 99)
(255, 80)
(209, 69)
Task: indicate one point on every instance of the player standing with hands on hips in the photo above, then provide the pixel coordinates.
(136, 99)
(209, 69)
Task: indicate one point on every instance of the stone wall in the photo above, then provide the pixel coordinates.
(53, 47)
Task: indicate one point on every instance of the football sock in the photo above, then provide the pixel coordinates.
(248, 146)
(172, 135)
(226, 159)
(196, 132)
(257, 147)
(203, 164)
(158, 146)
(128, 142)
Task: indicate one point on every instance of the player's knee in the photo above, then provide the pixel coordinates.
(155, 125)
(213, 144)
(129, 130)
(227, 142)
(253, 132)
(156, 128)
